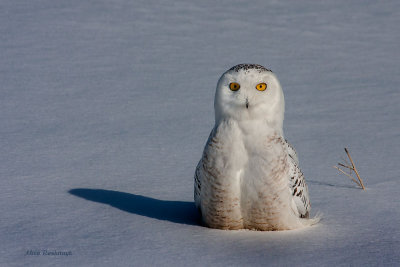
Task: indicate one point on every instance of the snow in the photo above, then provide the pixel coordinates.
(105, 107)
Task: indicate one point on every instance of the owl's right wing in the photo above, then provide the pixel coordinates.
(197, 185)
(199, 173)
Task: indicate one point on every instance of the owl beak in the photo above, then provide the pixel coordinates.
(247, 103)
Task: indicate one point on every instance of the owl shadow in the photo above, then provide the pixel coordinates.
(174, 211)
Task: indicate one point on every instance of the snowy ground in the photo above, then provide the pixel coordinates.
(105, 107)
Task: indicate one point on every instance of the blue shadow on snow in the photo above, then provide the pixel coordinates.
(174, 211)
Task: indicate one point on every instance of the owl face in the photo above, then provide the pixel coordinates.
(249, 92)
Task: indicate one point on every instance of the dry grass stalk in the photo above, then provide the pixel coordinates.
(359, 182)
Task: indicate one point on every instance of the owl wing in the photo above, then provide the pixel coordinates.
(197, 185)
(199, 173)
(298, 186)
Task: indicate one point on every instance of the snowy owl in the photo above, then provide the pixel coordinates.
(248, 176)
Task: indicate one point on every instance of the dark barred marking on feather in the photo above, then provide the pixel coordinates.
(247, 67)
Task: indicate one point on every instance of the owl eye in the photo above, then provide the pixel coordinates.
(261, 86)
(234, 86)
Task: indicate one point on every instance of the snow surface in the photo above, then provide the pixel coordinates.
(105, 107)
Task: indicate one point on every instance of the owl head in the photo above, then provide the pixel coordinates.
(250, 92)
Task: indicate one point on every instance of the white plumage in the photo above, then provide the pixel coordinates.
(248, 176)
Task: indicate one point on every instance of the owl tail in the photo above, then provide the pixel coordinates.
(312, 221)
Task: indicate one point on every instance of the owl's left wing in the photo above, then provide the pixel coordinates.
(298, 184)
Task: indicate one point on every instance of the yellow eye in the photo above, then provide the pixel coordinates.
(234, 86)
(261, 86)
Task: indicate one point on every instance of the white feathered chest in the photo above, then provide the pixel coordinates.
(248, 173)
